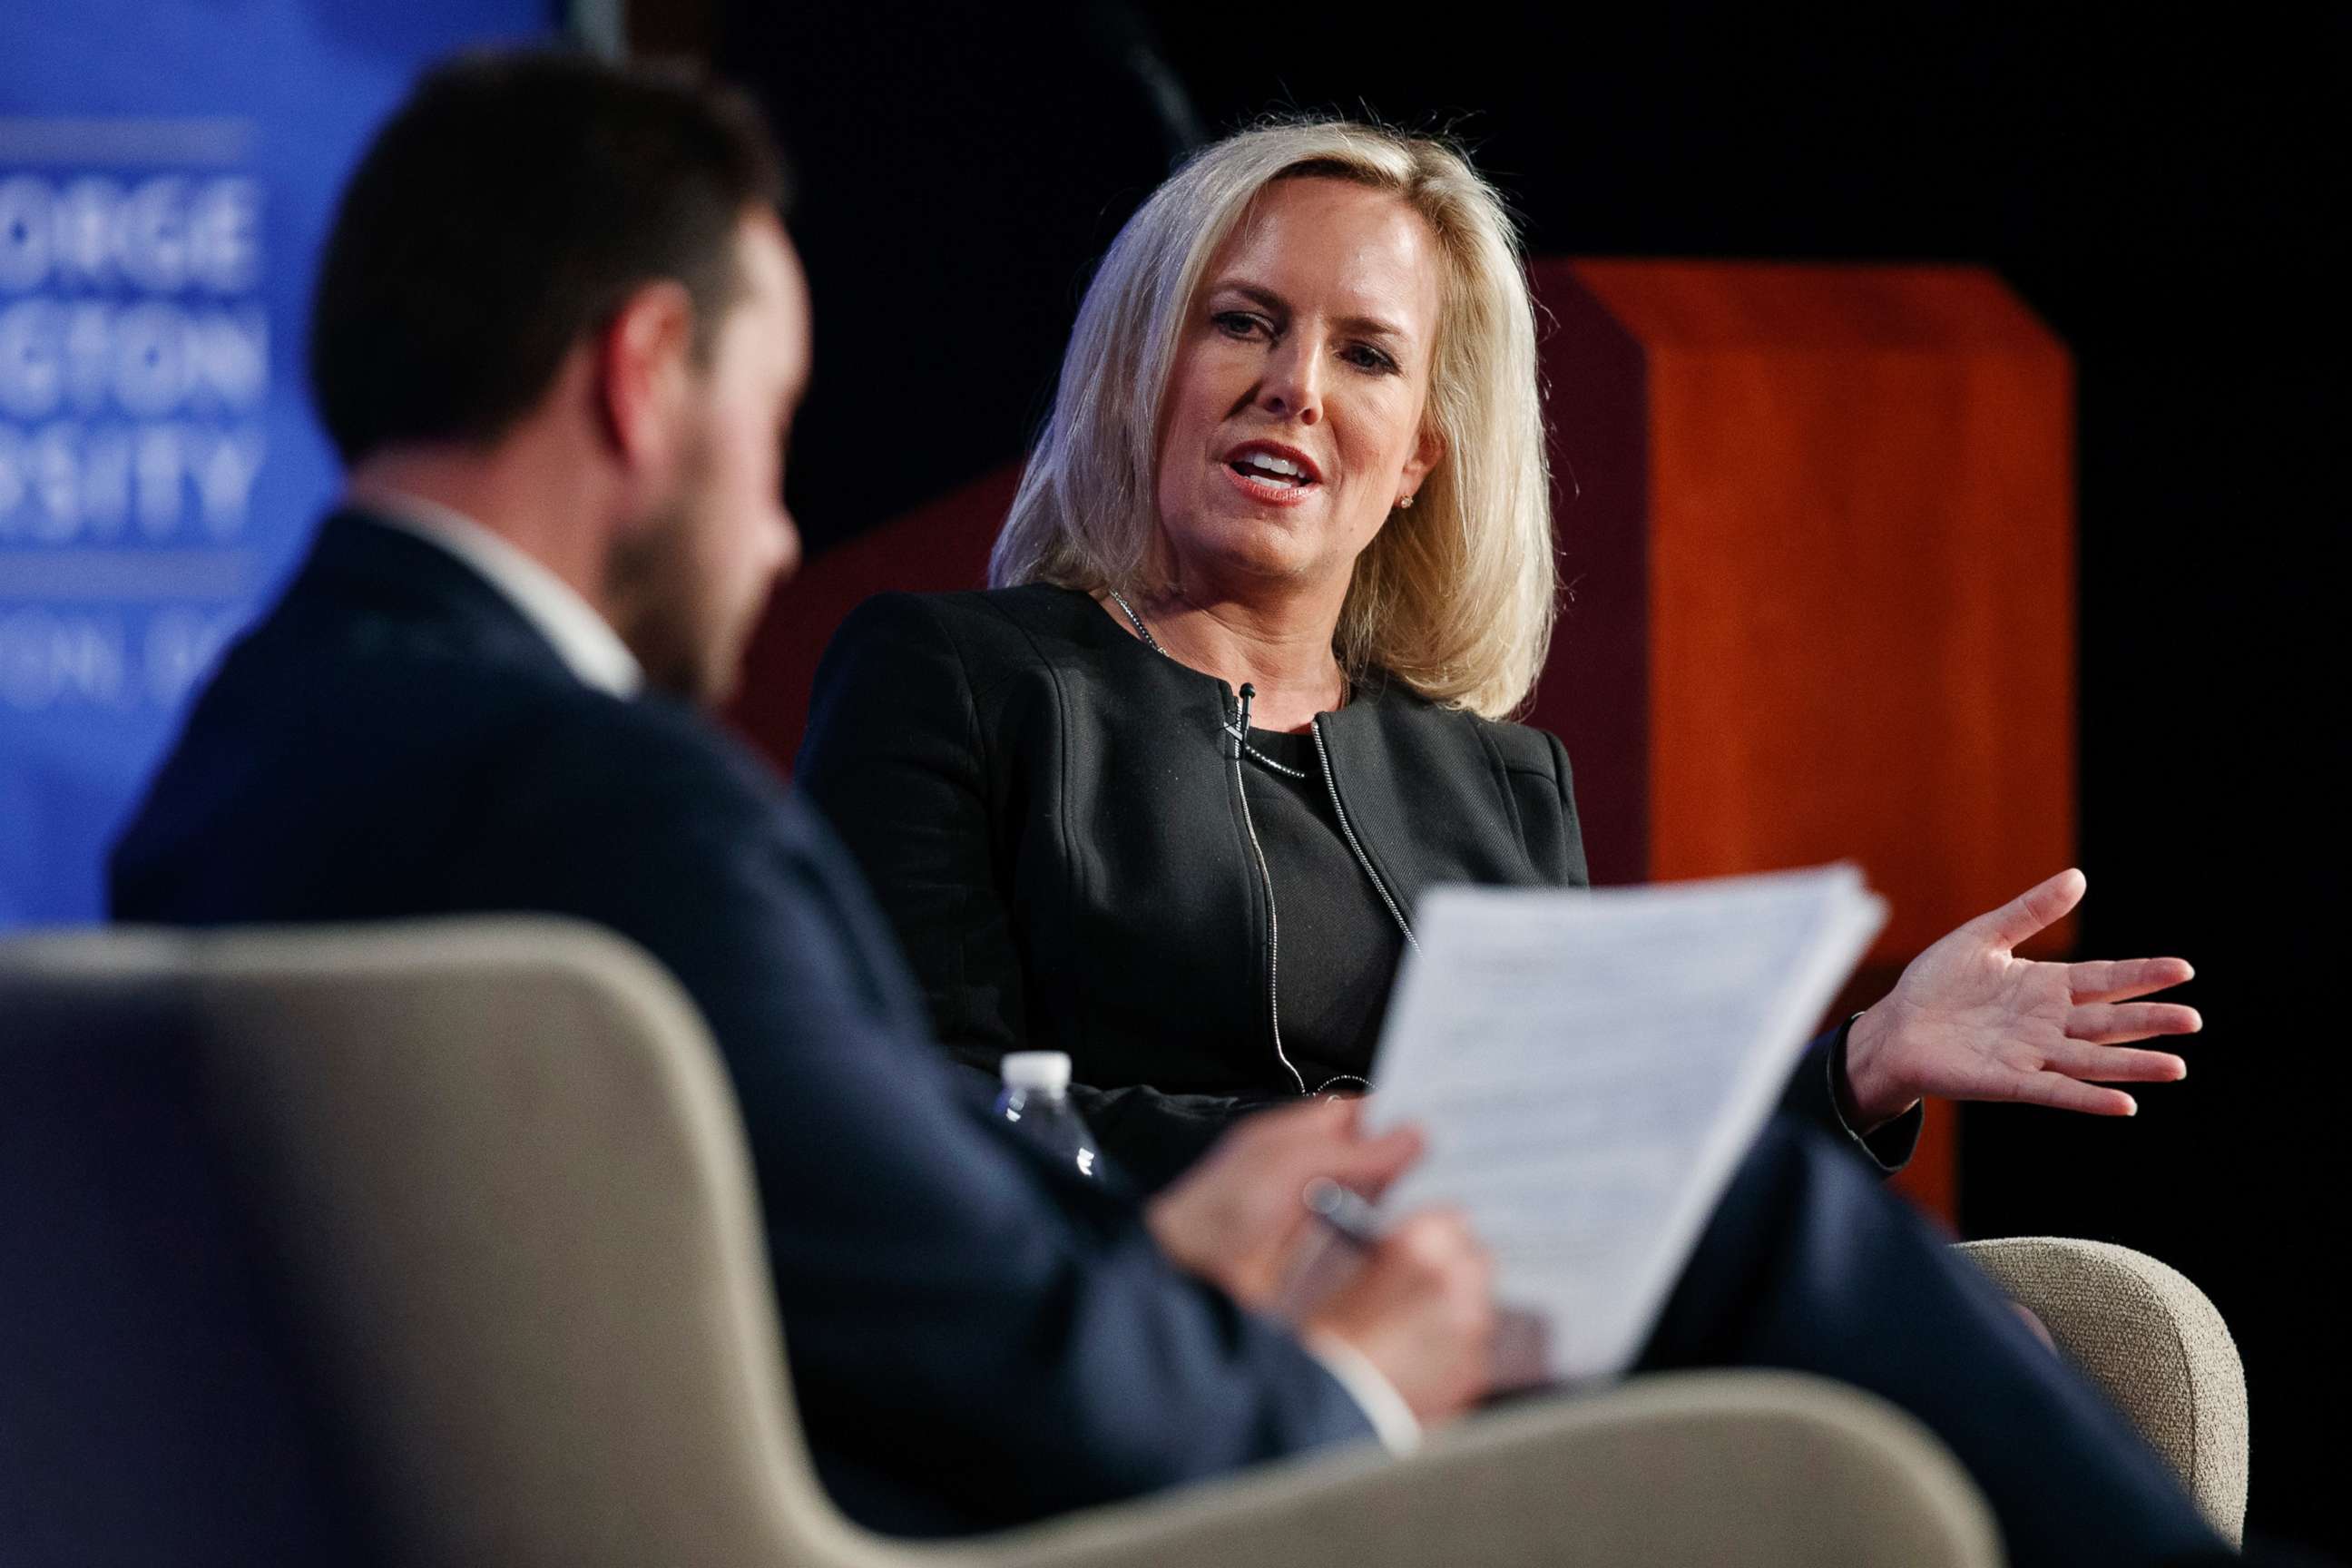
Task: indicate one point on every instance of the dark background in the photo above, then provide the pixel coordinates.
(2157, 182)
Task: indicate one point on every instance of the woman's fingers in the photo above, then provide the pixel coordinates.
(2064, 1093)
(2037, 907)
(2109, 1024)
(2122, 981)
(2114, 1064)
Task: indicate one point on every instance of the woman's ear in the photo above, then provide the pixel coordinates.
(645, 369)
(1427, 453)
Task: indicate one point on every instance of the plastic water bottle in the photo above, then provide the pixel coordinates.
(1036, 1101)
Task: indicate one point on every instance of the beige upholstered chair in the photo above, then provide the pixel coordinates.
(2153, 1341)
(507, 1191)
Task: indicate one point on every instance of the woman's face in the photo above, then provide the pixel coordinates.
(1293, 419)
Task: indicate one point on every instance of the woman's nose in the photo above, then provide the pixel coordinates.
(1293, 387)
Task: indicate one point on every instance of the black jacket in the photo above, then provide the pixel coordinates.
(976, 1337)
(1049, 814)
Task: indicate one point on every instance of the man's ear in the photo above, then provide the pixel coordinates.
(645, 367)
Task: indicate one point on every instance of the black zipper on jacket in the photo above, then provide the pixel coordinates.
(1348, 831)
(1265, 879)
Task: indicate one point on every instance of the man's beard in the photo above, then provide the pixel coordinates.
(669, 614)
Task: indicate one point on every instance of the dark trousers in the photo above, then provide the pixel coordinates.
(1810, 1264)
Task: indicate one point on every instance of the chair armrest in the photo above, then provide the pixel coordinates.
(1759, 1469)
(2153, 1343)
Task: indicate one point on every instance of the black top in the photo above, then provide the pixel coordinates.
(1052, 815)
(978, 1335)
(1339, 943)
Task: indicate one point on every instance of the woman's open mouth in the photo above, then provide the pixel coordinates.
(1265, 470)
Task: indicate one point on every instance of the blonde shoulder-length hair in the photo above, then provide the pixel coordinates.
(1453, 597)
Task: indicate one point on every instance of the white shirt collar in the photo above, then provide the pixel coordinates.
(580, 637)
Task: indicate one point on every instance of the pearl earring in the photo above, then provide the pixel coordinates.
(1404, 504)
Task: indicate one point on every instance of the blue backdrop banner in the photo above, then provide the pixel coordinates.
(167, 171)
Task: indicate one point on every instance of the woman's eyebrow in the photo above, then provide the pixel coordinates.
(1265, 298)
(1372, 327)
(1268, 300)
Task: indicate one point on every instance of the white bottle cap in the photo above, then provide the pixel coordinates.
(1047, 1070)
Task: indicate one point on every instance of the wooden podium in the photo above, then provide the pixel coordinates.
(1816, 525)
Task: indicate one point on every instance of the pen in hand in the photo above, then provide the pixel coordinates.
(1345, 1211)
(1330, 1252)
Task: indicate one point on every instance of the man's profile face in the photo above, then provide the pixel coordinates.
(723, 539)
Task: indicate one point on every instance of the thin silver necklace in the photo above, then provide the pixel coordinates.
(1231, 728)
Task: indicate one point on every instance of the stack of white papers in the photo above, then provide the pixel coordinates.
(1589, 1068)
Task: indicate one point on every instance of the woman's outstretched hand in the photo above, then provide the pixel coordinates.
(1972, 1020)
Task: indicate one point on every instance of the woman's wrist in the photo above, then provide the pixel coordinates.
(1865, 1098)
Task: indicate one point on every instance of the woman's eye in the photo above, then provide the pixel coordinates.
(1363, 356)
(1238, 323)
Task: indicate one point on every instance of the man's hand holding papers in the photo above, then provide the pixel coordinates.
(1417, 1302)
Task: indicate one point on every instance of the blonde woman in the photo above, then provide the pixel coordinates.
(1279, 568)
(1167, 795)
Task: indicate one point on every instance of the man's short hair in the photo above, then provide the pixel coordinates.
(508, 210)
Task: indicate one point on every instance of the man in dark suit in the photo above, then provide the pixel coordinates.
(558, 338)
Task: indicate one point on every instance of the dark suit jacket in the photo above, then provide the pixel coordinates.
(975, 1338)
(1050, 814)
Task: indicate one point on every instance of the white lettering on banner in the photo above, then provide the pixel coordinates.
(50, 660)
(225, 463)
(147, 358)
(158, 235)
(68, 483)
(135, 390)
